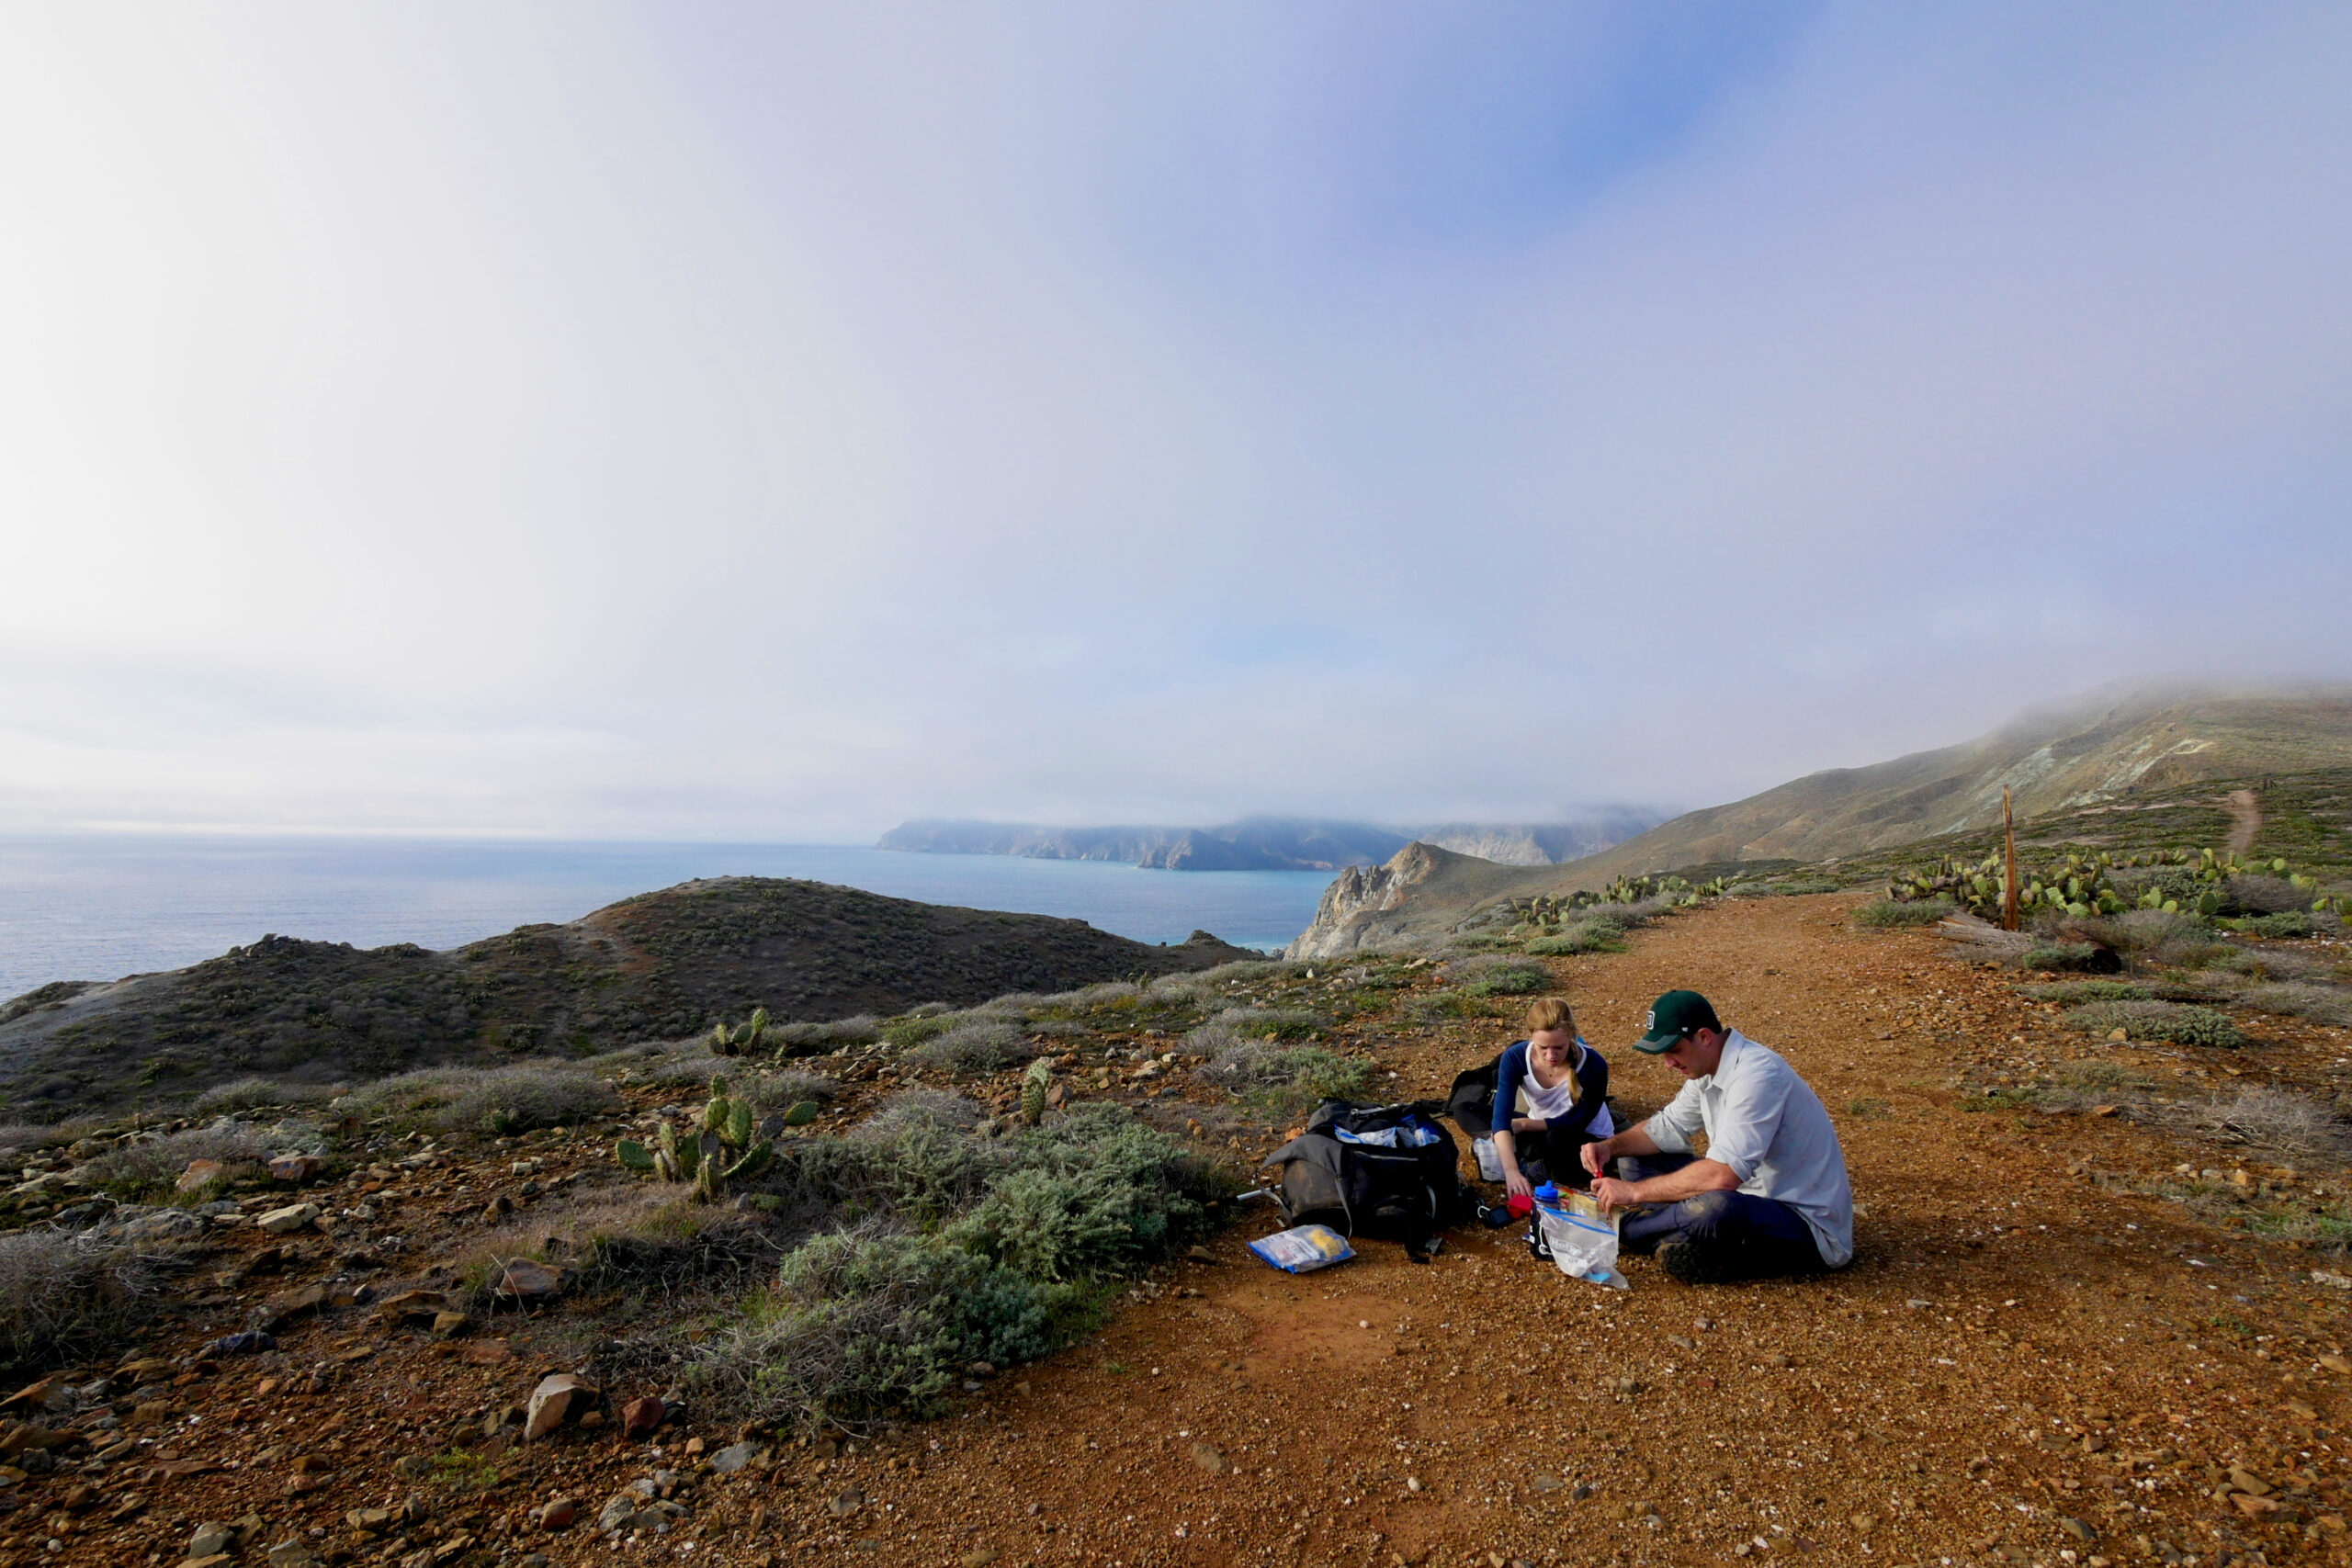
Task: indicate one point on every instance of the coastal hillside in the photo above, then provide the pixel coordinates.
(2121, 750)
(1267, 844)
(659, 965)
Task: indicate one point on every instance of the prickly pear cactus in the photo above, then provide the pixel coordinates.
(720, 1151)
(741, 1039)
(801, 1115)
(1034, 1083)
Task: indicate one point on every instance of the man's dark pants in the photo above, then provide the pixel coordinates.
(1754, 1237)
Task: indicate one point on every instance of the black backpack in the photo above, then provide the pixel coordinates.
(1342, 1172)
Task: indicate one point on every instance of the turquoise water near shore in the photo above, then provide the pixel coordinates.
(98, 908)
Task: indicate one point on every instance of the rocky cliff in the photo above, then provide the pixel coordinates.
(1385, 904)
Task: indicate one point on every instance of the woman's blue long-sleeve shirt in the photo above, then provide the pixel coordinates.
(1592, 1089)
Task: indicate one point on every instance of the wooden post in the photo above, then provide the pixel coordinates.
(2009, 847)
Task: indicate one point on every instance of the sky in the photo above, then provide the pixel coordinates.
(774, 422)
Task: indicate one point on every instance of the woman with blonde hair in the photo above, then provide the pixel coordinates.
(1549, 1098)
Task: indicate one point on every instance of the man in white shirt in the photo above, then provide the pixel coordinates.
(1770, 1195)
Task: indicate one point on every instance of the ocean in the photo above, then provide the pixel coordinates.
(100, 906)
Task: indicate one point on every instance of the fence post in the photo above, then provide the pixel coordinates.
(2009, 849)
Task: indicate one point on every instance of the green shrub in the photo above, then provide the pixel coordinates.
(2291, 923)
(1095, 1194)
(1887, 912)
(2171, 1021)
(869, 1321)
(2074, 993)
(869, 1325)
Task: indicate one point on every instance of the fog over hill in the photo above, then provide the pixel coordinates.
(2106, 745)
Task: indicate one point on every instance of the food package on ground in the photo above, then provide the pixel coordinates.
(1304, 1248)
(1582, 1239)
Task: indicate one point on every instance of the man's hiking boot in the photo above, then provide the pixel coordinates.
(1696, 1263)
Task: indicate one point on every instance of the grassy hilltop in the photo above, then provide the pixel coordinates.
(660, 965)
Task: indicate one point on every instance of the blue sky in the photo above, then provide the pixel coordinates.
(776, 421)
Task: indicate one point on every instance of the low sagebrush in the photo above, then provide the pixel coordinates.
(2073, 992)
(1495, 974)
(1888, 912)
(2173, 1022)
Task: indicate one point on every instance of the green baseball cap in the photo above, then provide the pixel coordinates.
(1673, 1016)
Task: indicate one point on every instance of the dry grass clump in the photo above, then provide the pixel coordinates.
(64, 1295)
(259, 1094)
(498, 1100)
(24, 1138)
(782, 1090)
(515, 1099)
(2246, 895)
(813, 1039)
(2326, 1004)
(920, 1112)
(153, 1165)
(2287, 1127)
(1286, 1078)
(1288, 1024)
(2152, 936)
(691, 1065)
(984, 1046)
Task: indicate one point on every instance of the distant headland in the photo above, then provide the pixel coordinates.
(1275, 843)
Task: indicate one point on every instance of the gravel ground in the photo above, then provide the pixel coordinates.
(2038, 1356)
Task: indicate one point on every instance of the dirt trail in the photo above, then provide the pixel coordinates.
(1930, 1404)
(2023, 1365)
(2245, 819)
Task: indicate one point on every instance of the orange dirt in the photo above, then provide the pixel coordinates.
(2026, 1363)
